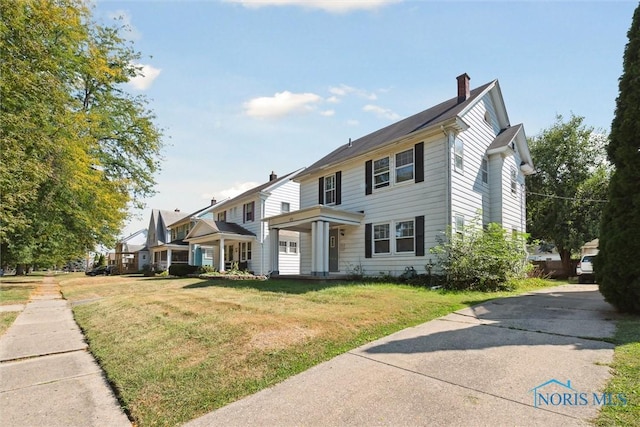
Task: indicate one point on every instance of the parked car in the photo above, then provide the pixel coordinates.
(100, 271)
(585, 271)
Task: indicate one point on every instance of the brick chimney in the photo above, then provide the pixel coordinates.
(273, 176)
(463, 87)
(213, 201)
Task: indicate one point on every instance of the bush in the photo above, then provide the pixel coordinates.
(182, 270)
(481, 259)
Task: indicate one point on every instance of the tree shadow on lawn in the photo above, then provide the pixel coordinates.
(278, 286)
(582, 319)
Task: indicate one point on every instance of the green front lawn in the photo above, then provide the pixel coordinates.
(176, 349)
(626, 376)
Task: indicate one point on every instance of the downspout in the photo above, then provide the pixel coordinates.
(448, 138)
(263, 210)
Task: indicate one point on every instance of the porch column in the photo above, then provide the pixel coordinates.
(275, 250)
(190, 254)
(325, 250)
(221, 256)
(314, 236)
(321, 230)
(168, 258)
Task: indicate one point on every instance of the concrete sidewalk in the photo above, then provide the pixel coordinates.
(492, 364)
(47, 377)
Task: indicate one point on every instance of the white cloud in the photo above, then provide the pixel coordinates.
(344, 90)
(333, 100)
(381, 112)
(328, 113)
(237, 189)
(281, 104)
(333, 6)
(146, 76)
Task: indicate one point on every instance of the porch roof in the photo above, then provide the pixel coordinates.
(207, 230)
(301, 220)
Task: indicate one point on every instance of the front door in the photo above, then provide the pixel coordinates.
(333, 250)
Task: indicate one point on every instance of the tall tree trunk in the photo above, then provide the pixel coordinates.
(565, 256)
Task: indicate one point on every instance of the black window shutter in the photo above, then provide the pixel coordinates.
(253, 211)
(368, 177)
(244, 213)
(338, 187)
(321, 191)
(420, 235)
(367, 240)
(418, 153)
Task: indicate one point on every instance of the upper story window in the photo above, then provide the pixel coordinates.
(404, 166)
(330, 190)
(285, 207)
(514, 181)
(458, 153)
(381, 172)
(401, 167)
(222, 216)
(248, 212)
(485, 171)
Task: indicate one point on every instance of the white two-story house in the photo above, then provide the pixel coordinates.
(378, 204)
(237, 234)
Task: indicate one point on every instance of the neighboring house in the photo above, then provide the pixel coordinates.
(237, 233)
(590, 248)
(163, 251)
(378, 204)
(198, 254)
(131, 253)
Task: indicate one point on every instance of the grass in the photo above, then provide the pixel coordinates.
(16, 289)
(626, 376)
(178, 348)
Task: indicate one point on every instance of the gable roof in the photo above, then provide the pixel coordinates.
(210, 226)
(267, 186)
(504, 138)
(433, 116)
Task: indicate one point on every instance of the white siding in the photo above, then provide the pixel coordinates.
(268, 204)
(403, 201)
(470, 197)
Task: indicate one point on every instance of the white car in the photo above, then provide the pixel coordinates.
(585, 270)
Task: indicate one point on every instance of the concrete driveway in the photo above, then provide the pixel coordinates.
(535, 359)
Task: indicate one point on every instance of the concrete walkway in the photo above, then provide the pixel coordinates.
(47, 377)
(492, 364)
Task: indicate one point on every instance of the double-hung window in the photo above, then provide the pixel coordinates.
(458, 152)
(404, 166)
(514, 181)
(293, 247)
(283, 246)
(381, 172)
(248, 212)
(330, 190)
(405, 236)
(245, 251)
(285, 207)
(485, 171)
(381, 239)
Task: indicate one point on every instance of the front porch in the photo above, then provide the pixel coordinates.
(325, 224)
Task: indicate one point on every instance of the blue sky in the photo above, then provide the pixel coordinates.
(243, 87)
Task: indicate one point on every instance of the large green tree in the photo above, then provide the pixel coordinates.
(565, 195)
(75, 148)
(618, 263)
